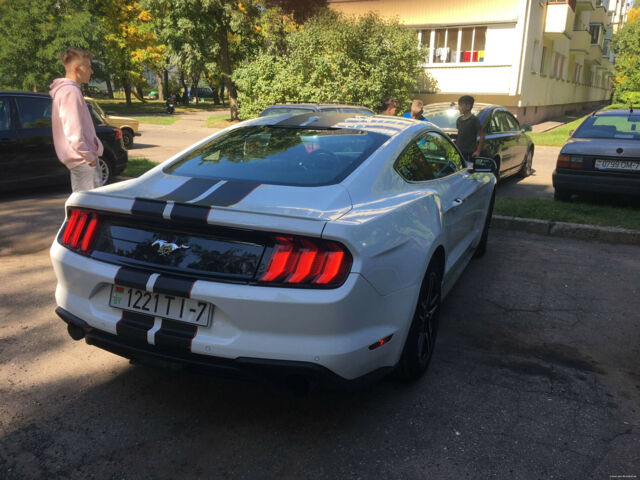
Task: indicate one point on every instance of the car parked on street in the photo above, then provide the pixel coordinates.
(505, 139)
(301, 250)
(128, 125)
(27, 154)
(281, 108)
(601, 156)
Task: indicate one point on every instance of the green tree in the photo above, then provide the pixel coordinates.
(626, 44)
(34, 33)
(130, 42)
(209, 36)
(334, 58)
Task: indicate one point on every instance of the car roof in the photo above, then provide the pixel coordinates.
(316, 105)
(446, 105)
(385, 124)
(24, 94)
(617, 112)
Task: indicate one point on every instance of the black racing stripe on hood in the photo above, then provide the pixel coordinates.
(190, 213)
(175, 335)
(190, 189)
(134, 326)
(148, 208)
(128, 277)
(179, 287)
(229, 194)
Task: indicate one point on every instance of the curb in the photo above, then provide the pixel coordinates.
(569, 230)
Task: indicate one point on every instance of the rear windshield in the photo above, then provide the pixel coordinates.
(445, 119)
(610, 126)
(280, 155)
(282, 110)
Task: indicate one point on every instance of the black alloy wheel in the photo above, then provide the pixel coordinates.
(127, 138)
(421, 340)
(482, 244)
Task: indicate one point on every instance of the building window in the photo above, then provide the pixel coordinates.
(577, 74)
(454, 45)
(595, 30)
(543, 61)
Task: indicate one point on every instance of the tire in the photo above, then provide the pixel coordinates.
(127, 138)
(106, 170)
(525, 171)
(482, 244)
(421, 339)
(562, 195)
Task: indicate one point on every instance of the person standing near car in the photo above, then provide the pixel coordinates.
(469, 129)
(417, 109)
(389, 107)
(74, 135)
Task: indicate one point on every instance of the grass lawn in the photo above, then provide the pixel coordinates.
(160, 120)
(610, 215)
(557, 136)
(221, 120)
(119, 106)
(137, 166)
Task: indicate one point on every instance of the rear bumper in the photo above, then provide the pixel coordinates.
(289, 374)
(597, 183)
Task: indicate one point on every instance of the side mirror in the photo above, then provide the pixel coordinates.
(526, 127)
(484, 165)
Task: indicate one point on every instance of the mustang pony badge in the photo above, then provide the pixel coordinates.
(165, 248)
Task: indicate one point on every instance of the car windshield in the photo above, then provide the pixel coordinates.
(610, 126)
(280, 155)
(445, 118)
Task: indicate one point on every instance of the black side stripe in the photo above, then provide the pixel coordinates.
(129, 277)
(190, 213)
(148, 208)
(134, 326)
(179, 287)
(229, 194)
(175, 335)
(190, 189)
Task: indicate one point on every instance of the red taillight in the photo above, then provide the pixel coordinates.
(118, 134)
(81, 230)
(564, 161)
(302, 261)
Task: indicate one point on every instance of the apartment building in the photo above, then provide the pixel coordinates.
(539, 58)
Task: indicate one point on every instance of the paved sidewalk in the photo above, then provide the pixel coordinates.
(559, 121)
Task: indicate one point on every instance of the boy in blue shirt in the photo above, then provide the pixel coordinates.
(416, 111)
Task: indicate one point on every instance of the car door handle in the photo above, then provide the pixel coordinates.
(457, 202)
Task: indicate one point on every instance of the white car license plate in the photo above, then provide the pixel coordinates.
(628, 165)
(160, 305)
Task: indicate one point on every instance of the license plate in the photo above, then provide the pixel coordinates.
(629, 165)
(181, 309)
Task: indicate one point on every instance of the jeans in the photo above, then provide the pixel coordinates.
(85, 177)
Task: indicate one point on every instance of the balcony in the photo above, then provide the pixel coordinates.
(559, 21)
(585, 4)
(599, 15)
(595, 54)
(580, 42)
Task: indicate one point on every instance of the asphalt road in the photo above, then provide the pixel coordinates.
(535, 376)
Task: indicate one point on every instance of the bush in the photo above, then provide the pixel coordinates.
(334, 59)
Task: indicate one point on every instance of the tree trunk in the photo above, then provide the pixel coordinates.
(225, 66)
(109, 86)
(222, 94)
(194, 87)
(216, 98)
(127, 93)
(160, 89)
(140, 92)
(166, 83)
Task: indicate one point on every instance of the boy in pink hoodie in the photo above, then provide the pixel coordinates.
(74, 135)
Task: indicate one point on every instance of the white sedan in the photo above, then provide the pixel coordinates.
(302, 248)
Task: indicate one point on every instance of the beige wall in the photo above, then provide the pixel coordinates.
(435, 12)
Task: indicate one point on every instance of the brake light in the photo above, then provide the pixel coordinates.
(304, 261)
(564, 161)
(81, 230)
(118, 134)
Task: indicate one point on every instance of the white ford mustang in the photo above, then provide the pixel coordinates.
(301, 248)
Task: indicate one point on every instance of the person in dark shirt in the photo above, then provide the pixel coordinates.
(470, 137)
